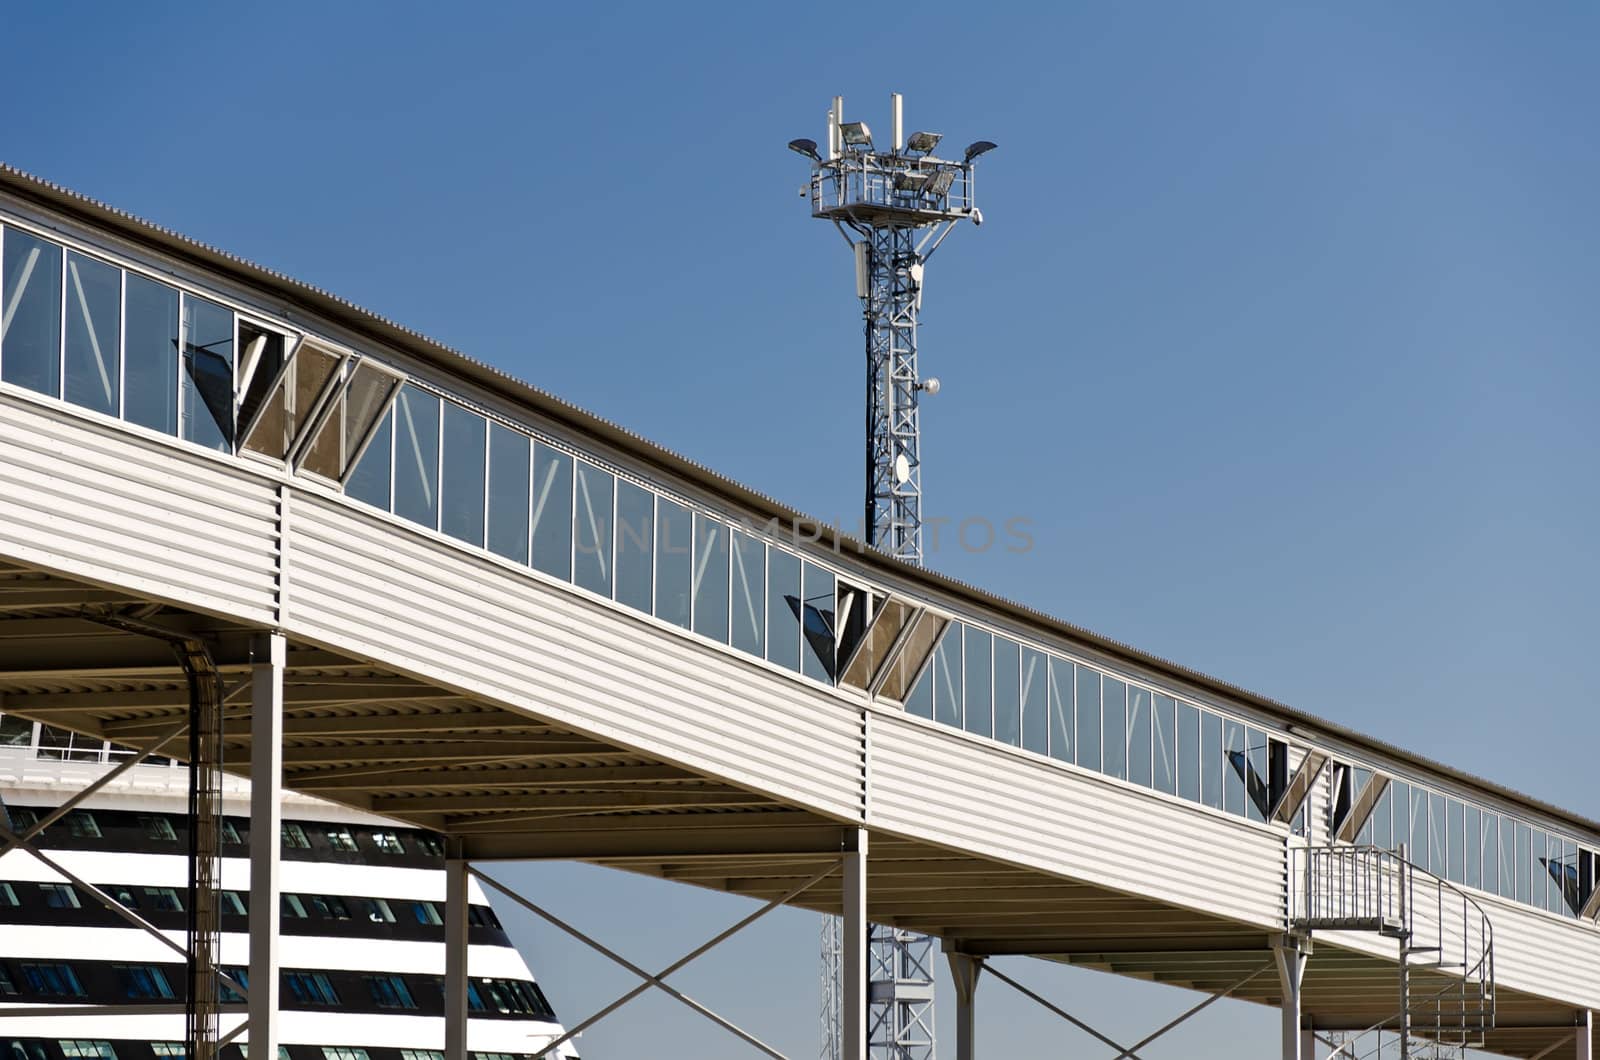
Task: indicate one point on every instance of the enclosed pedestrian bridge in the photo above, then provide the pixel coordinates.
(447, 597)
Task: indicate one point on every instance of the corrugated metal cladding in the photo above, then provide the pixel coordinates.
(99, 504)
(360, 586)
(941, 787)
(1544, 955)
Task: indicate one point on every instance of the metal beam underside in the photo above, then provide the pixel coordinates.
(511, 785)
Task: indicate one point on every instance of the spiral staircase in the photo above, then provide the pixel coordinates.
(1445, 1001)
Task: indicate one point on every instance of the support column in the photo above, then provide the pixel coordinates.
(853, 951)
(455, 954)
(1585, 1046)
(965, 969)
(1291, 952)
(268, 655)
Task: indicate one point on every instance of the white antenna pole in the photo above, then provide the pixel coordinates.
(899, 125)
(834, 121)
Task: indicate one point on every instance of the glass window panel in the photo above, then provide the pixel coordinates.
(1455, 861)
(711, 581)
(552, 511)
(463, 478)
(206, 394)
(1400, 810)
(873, 643)
(1233, 738)
(150, 352)
(364, 398)
(947, 677)
(1536, 867)
(1114, 732)
(1471, 847)
(1437, 827)
(1421, 850)
(1213, 763)
(675, 571)
(510, 472)
(1035, 695)
(783, 605)
(1383, 819)
(1488, 852)
(1164, 748)
(636, 541)
(1569, 886)
(263, 414)
(749, 594)
(978, 664)
(1087, 710)
(1063, 722)
(1550, 862)
(30, 327)
(1508, 858)
(1256, 792)
(94, 334)
(416, 457)
(369, 482)
(920, 701)
(911, 661)
(816, 626)
(592, 530)
(315, 375)
(1007, 692)
(1137, 737)
(1189, 752)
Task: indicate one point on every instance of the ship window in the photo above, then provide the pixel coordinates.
(7, 895)
(426, 913)
(377, 910)
(552, 511)
(177, 1049)
(6, 985)
(311, 988)
(52, 980)
(82, 824)
(292, 906)
(30, 334)
(238, 974)
(390, 991)
(125, 897)
(23, 1051)
(15, 731)
(164, 899)
(423, 1054)
(341, 839)
(158, 828)
(144, 981)
(482, 916)
(388, 843)
(94, 326)
(78, 1047)
(343, 1052)
(230, 834)
(232, 902)
(59, 895)
(330, 906)
(294, 837)
(430, 846)
(206, 381)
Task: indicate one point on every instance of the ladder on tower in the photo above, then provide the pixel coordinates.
(1446, 997)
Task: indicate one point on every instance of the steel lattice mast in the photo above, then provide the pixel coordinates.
(894, 208)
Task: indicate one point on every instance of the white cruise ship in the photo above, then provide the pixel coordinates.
(362, 938)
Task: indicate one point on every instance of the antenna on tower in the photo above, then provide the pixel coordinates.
(894, 208)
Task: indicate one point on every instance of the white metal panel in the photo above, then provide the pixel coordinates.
(1545, 955)
(424, 607)
(92, 502)
(945, 787)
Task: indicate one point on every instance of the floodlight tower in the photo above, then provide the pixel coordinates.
(894, 208)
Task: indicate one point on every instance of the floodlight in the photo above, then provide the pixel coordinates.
(911, 180)
(978, 148)
(805, 147)
(930, 385)
(939, 186)
(856, 133)
(924, 142)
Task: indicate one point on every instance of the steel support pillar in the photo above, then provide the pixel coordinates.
(1585, 1047)
(965, 970)
(1291, 952)
(455, 954)
(269, 652)
(853, 959)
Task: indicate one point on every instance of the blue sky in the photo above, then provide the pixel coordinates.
(1280, 330)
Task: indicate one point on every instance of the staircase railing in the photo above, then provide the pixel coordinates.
(1446, 941)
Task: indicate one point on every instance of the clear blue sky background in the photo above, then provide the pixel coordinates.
(1280, 330)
